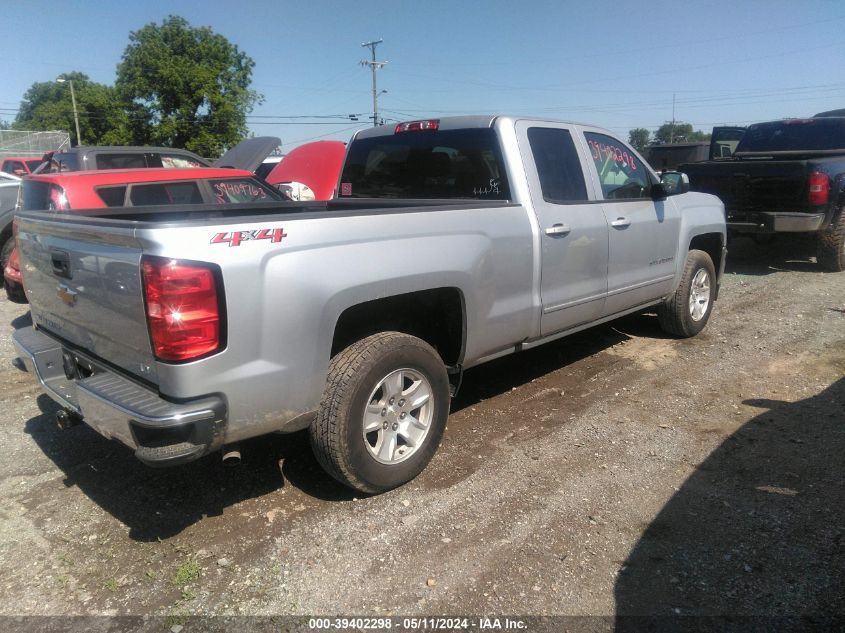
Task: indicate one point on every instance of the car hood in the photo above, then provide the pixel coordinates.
(249, 153)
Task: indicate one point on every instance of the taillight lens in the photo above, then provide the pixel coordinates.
(183, 308)
(417, 126)
(819, 191)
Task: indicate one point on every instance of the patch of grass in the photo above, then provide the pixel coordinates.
(177, 616)
(187, 572)
(151, 573)
(62, 580)
(187, 594)
(111, 584)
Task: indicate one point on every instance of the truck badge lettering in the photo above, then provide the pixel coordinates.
(235, 238)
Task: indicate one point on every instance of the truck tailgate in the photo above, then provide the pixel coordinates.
(753, 185)
(84, 287)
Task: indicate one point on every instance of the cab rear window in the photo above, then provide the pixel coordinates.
(442, 164)
(794, 135)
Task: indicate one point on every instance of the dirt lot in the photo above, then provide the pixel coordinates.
(615, 472)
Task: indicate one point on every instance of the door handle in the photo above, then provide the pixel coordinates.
(558, 229)
(620, 223)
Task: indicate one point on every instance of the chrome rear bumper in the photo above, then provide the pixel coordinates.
(161, 432)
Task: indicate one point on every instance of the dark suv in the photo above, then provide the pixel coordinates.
(82, 158)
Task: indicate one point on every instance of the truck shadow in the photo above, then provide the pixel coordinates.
(503, 374)
(756, 530)
(156, 503)
(793, 253)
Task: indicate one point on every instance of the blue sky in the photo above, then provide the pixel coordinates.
(614, 64)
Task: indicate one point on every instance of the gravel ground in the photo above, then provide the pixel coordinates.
(618, 471)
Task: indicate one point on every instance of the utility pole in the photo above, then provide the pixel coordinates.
(62, 80)
(374, 66)
(672, 129)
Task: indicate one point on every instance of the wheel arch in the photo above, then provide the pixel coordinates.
(710, 243)
(436, 316)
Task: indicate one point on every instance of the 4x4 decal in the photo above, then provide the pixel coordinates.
(234, 238)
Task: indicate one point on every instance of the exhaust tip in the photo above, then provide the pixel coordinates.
(66, 419)
(231, 455)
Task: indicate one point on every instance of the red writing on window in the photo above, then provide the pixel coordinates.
(228, 190)
(602, 152)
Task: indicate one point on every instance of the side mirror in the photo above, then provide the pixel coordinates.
(674, 183)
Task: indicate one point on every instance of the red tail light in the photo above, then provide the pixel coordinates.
(417, 126)
(819, 190)
(183, 308)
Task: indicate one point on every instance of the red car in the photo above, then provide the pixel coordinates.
(310, 171)
(20, 165)
(132, 188)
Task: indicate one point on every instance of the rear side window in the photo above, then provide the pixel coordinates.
(112, 196)
(120, 161)
(622, 175)
(165, 193)
(561, 176)
(240, 190)
(426, 164)
(794, 135)
(178, 161)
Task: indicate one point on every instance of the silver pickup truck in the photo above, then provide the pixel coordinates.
(451, 242)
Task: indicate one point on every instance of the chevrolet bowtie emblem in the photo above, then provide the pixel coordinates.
(67, 295)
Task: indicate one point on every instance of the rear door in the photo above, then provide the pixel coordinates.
(573, 228)
(643, 233)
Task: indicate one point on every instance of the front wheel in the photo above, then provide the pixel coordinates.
(383, 412)
(687, 311)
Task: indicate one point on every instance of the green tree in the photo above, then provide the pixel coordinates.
(679, 132)
(47, 105)
(188, 87)
(638, 138)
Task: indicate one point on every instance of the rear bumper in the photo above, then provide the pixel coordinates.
(778, 222)
(162, 432)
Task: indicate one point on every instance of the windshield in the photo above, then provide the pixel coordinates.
(786, 136)
(426, 164)
(33, 164)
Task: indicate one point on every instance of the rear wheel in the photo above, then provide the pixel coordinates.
(831, 244)
(383, 412)
(687, 311)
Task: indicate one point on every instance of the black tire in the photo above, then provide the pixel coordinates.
(357, 373)
(6, 252)
(675, 314)
(831, 244)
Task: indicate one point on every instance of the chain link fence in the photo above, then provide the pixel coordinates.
(22, 143)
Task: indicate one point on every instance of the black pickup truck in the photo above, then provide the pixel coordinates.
(784, 177)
